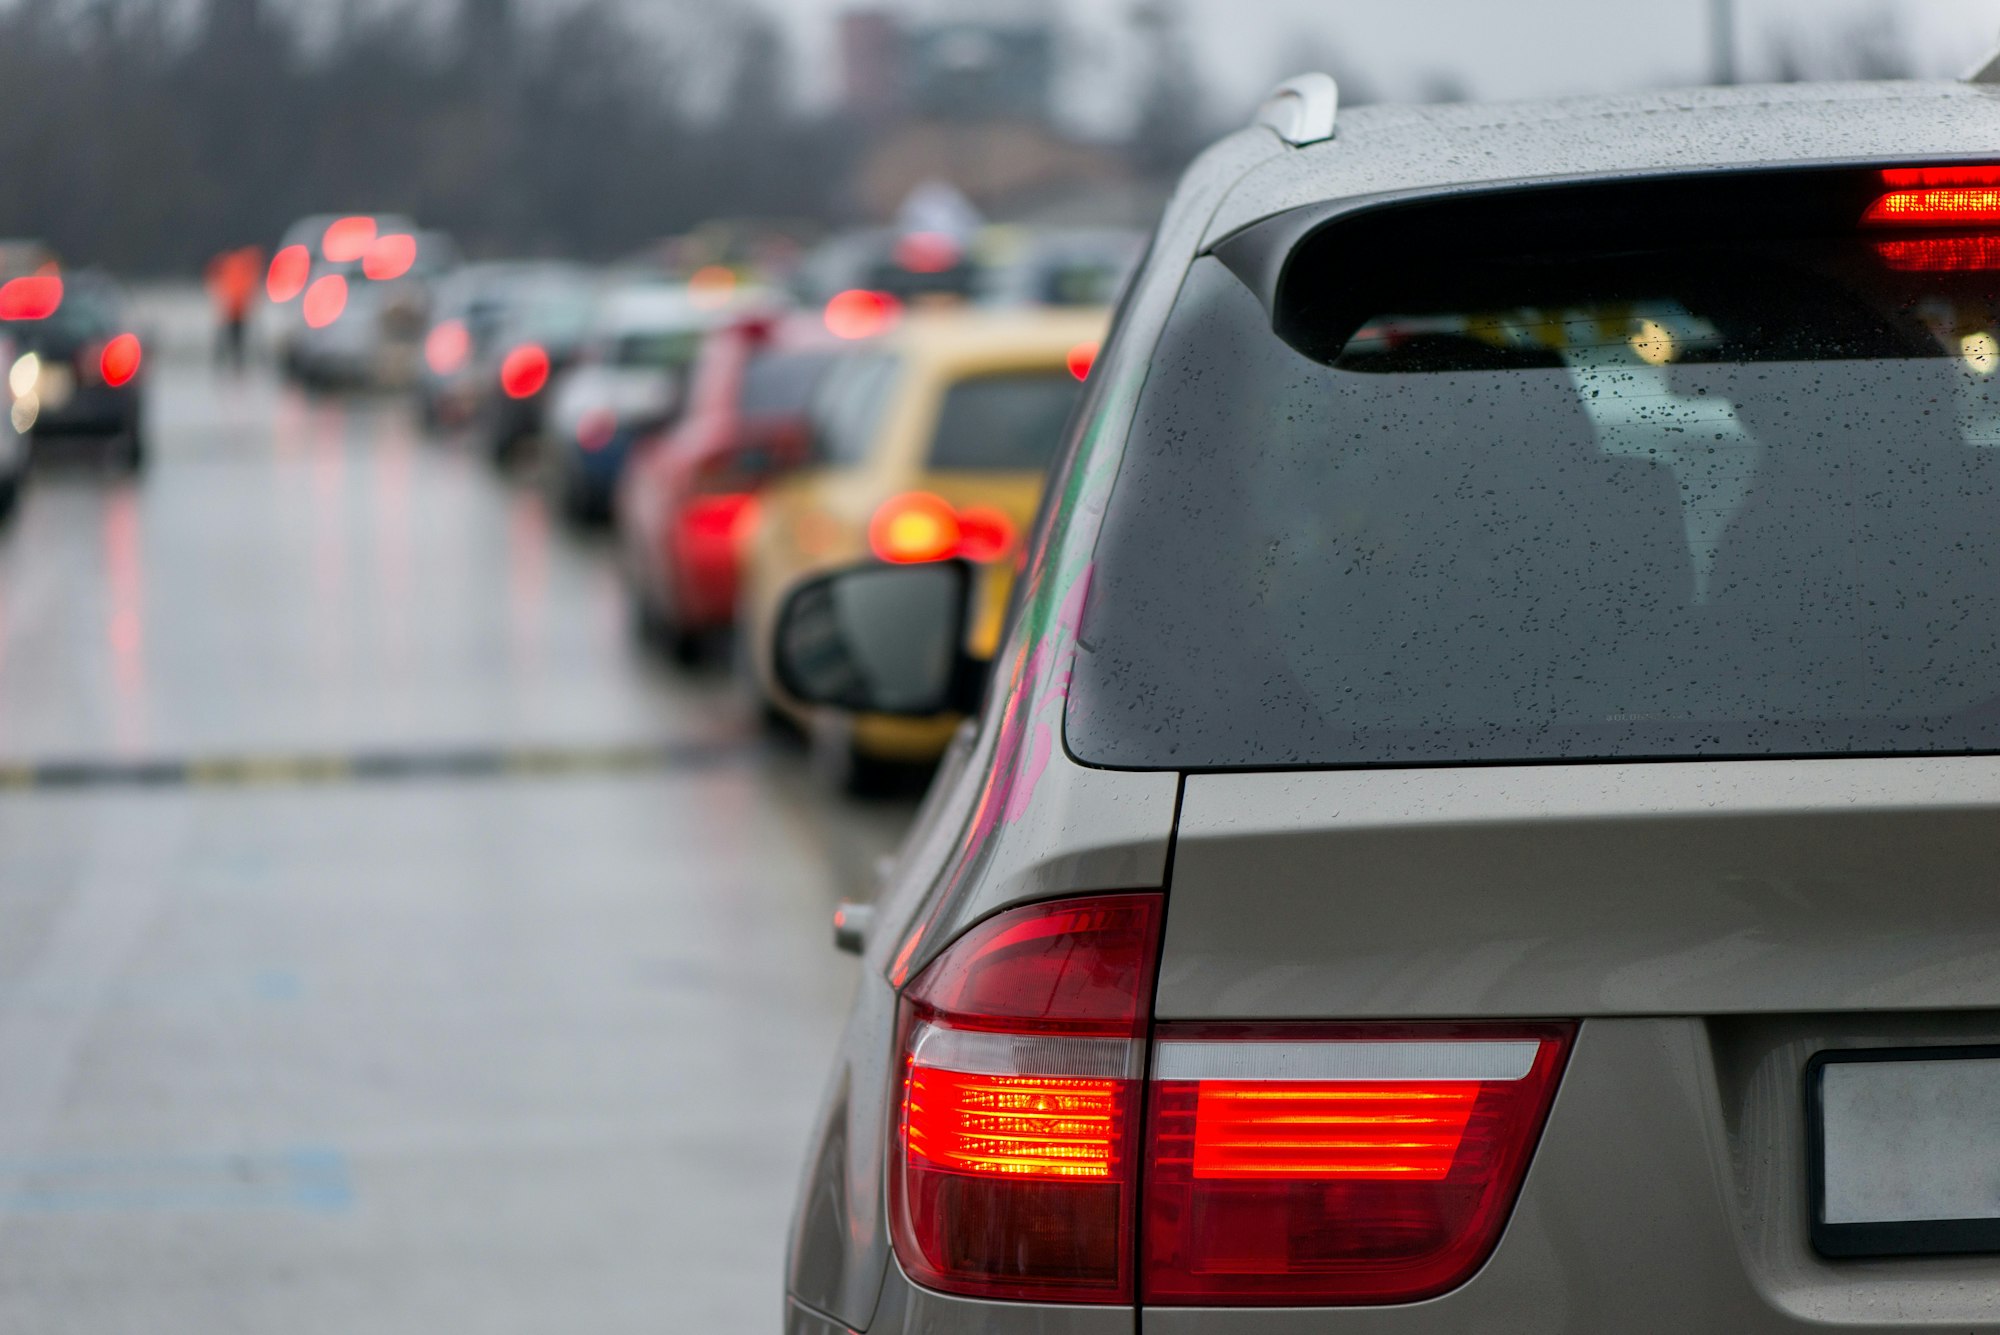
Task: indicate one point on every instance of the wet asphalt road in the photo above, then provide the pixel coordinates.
(498, 1052)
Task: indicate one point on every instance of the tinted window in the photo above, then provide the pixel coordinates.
(782, 383)
(654, 349)
(849, 410)
(1004, 422)
(1734, 500)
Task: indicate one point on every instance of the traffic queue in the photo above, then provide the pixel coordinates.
(742, 416)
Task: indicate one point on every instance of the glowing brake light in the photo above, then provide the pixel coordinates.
(347, 240)
(928, 252)
(1942, 254)
(389, 257)
(1926, 178)
(1081, 358)
(525, 371)
(859, 314)
(448, 347)
(290, 269)
(913, 528)
(35, 297)
(1015, 1171)
(1300, 1164)
(325, 300)
(119, 361)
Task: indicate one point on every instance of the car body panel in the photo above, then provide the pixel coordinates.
(1444, 149)
(1659, 888)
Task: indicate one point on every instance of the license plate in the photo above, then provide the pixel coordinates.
(1903, 1145)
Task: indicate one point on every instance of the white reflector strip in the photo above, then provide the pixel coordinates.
(1185, 1060)
(976, 1052)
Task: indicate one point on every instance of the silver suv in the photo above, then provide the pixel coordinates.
(1487, 814)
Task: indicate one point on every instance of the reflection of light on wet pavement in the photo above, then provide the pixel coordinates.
(527, 582)
(125, 615)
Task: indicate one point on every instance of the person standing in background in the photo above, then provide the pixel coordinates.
(232, 284)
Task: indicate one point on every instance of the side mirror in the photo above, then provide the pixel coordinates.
(880, 639)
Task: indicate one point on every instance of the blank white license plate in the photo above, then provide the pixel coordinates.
(1905, 1150)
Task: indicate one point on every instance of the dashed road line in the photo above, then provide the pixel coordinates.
(279, 769)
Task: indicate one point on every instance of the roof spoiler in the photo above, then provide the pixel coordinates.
(1987, 70)
(1302, 110)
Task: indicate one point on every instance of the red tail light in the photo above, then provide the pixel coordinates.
(389, 257)
(1081, 358)
(525, 371)
(928, 252)
(347, 239)
(325, 300)
(1942, 254)
(1016, 1169)
(1937, 197)
(35, 297)
(119, 361)
(1359, 1164)
(913, 528)
(448, 347)
(724, 517)
(984, 533)
(860, 314)
(290, 268)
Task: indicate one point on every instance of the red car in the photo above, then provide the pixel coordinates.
(689, 494)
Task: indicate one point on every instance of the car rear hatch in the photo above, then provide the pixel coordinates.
(1577, 612)
(1713, 927)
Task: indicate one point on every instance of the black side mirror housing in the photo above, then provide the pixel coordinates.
(881, 639)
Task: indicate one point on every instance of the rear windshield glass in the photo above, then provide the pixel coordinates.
(1004, 423)
(654, 349)
(782, 383)
(1739, 499)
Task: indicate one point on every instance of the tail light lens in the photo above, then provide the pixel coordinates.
(862, 314)
(524, 371)
(290, 270)
(918, 526)
(325, 300)
(119, 361)
(35, 297)
(1362, 1164)
(1081, 358)
(347, 239)
(389, 257)
(1016, 1168)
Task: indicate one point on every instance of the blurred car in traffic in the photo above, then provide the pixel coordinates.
(932, 444)
(543, 321)
(468, 310)
(688, 497)
(1454, 839)
(350, 298)
(1037, 266)
(630, 379)
(74, 362)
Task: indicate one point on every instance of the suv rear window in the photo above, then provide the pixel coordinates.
(1689, 495)
(1004, 423)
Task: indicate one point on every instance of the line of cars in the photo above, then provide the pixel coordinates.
(898, 395)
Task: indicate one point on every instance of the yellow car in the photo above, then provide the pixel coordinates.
(930, 443)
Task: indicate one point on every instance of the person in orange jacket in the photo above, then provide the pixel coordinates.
(232, 285)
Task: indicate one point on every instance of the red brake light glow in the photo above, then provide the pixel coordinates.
(347, 240)
(859, 314)
(1927, 178)
(389, 257)
(525, 371)
(290, 268)
(1936, 197)
(984, 533)
(1942, 254)
(34, 297)
(325, 300)
(1357, 1164)
(119, 361)
(1015, 1171)
(914, 527)
(1081, 358)
(448, 347)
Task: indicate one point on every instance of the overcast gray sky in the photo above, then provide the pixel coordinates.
(1493, 48)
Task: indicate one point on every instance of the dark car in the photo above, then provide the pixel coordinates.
(544, 323)
(688, 497)
(1484, 816)
(76, 361)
